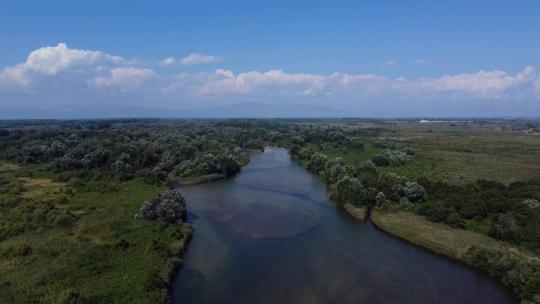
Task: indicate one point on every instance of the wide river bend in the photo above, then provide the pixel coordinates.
(270, 235)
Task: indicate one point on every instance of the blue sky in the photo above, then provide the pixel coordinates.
(273, 58)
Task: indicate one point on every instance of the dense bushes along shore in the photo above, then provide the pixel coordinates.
(69, 191)
(513, 211)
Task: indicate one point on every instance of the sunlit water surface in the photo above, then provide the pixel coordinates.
(270, 235)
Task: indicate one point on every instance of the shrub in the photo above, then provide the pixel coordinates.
(392, 157)
(504, 227)
(515, 269)
(298, 140)
(455, 220)
(317, 162)
(414, 192)
(229, 166)
(435, 212)
(294, 149)
(167, 207)
(334, 169)
(368, 166)
(305, 154)
(380, 199)
(350, 190)
(66, 162)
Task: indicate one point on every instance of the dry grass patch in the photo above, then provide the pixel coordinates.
(514, 267)
(5, 167)
(438, 237)
(359, 213)
(38, 187)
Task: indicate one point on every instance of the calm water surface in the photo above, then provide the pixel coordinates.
(270, 235)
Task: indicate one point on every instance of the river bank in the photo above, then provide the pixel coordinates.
(359, 213)
(102, 255)
(480, 251)
(266, 235)
(207, 178)
(513, 266)
(189, 181)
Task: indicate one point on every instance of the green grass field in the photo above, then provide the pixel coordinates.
(464, 154)
(455, 153)
(105, 256)
(350, 156)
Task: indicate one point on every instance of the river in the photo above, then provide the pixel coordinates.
(270, 235)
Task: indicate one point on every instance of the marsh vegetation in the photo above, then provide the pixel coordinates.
(82, 217)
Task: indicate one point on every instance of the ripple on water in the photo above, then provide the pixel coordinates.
(259, 214)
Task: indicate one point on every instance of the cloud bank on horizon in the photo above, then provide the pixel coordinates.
(72, 82)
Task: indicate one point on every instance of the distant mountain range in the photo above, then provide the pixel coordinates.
(239, 110)
(263, 110)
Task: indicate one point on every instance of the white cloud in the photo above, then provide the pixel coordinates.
(225, 82)
(481, 84)
(52, 60)
(421, 61)
(195, 58)
(168, 61)
(126, 77)
(391, 63)
(537, 86)
(274, 82)
(191, 59)
(57, 72)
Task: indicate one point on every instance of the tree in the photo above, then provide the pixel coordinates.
(350, 190)
(229, 166)
(334, 169)
(414, 192)
(392, 157)
(317, 162)
(167, 207)
(505, 227)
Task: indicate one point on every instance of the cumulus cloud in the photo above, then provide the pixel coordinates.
(225, 82)
(168, 61)
(59, 74)
(195, 58)
(123, 77)
(191, 59)
(52, 60)
(482, 83)
(537, 86)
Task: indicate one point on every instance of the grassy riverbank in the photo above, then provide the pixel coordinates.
(69, 193)
(440, 238)
(438, 171)
(515, 267)
(189, 181)
(80, 242)
(359, 213)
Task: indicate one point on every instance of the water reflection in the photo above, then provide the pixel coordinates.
(270, 235)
